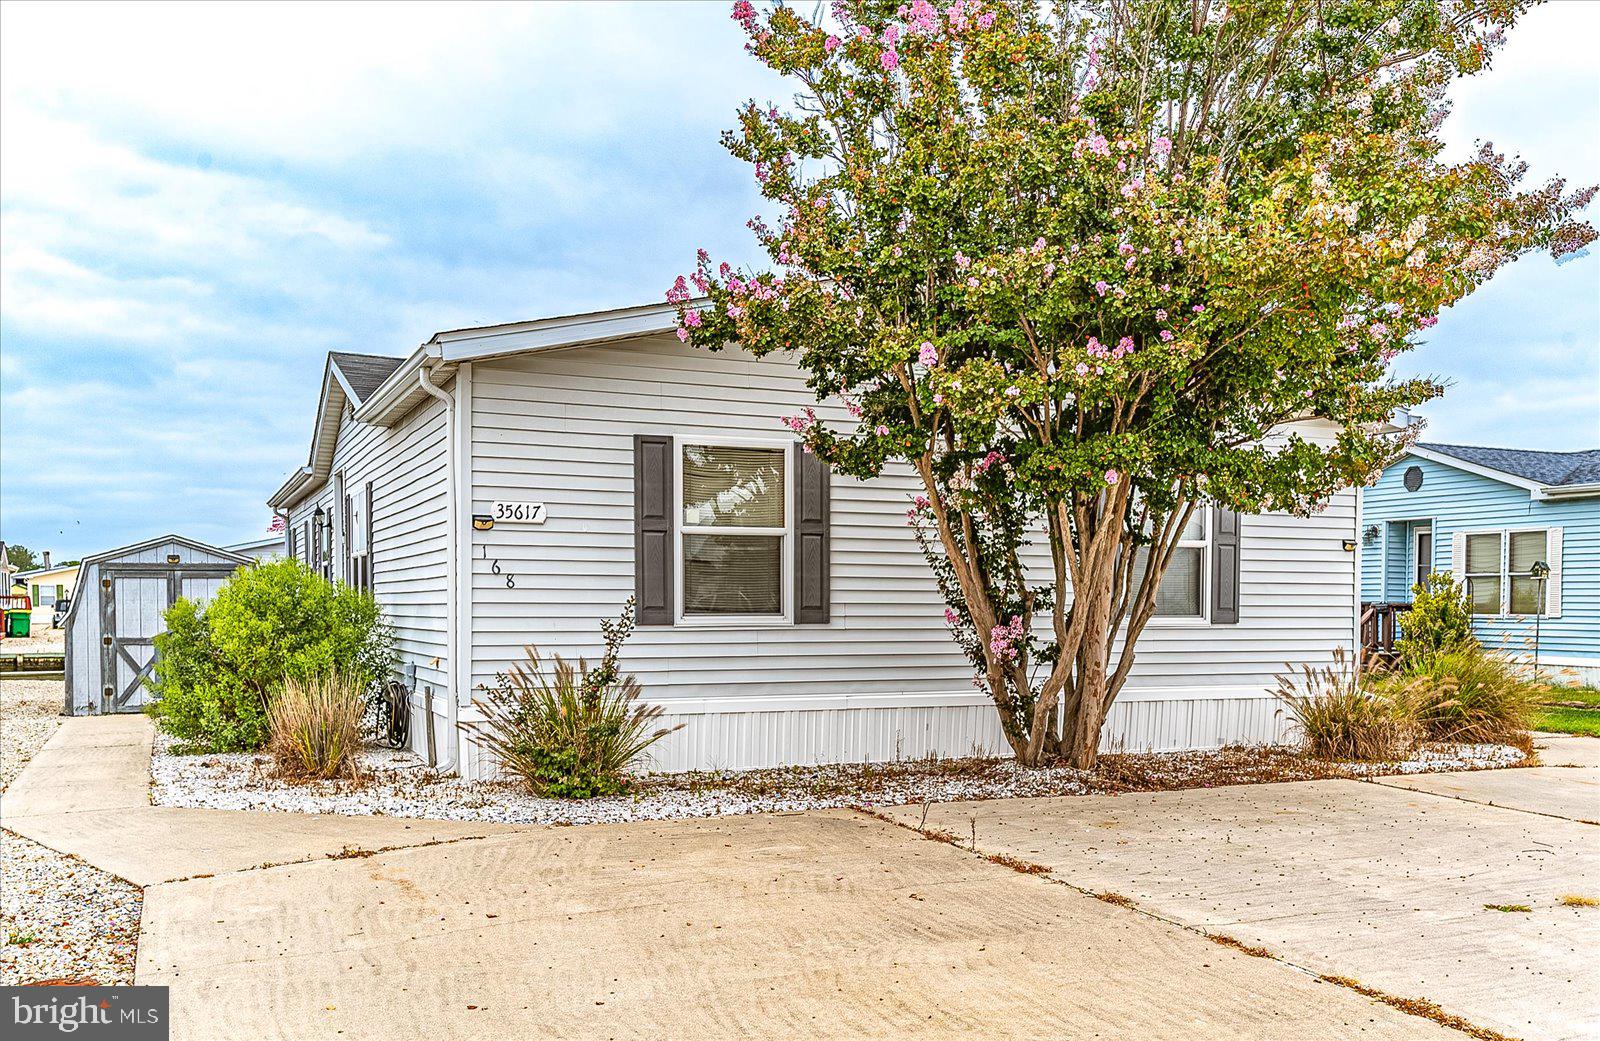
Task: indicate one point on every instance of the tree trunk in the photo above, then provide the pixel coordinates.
(1080, 742)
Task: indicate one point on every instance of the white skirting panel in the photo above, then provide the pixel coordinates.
(749, 733)
(1174, 725)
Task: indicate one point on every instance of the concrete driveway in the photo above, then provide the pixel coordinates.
(828, 924)
(839, 924)
(1383, 882)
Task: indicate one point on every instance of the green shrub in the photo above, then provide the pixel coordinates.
(1439, 622)
(571, 732)
(219, 668)
(1467, 695)
(1339, 719)
(315, 725)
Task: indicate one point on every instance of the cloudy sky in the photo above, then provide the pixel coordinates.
(197, 202)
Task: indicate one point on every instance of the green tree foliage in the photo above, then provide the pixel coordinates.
(220, 667)
(1082, 265)
(1439, 622)
(21, 557)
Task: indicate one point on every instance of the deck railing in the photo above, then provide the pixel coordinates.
(1380, 627)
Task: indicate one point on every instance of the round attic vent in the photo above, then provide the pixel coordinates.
(1413, 478)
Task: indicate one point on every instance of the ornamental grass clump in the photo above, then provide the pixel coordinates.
(568, 730)
(1339, 718)
(1468, 695)
(315, 726)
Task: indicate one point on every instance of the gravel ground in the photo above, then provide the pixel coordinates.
(46, 639)
(62, 919)
(30, 711)
(398, 784)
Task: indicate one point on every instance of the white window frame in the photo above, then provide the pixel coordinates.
(785, 543)
(1203, 544)
(1506, 574)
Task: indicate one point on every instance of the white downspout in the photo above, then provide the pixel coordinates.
(448, 740)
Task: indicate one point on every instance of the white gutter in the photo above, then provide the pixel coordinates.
(1566, 491)
(452, 524)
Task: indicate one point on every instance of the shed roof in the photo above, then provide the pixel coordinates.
(134, 547)
(1551, 469)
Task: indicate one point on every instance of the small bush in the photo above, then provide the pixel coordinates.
(574, 731)
(219, 668)
(1467, 695)
(1439, 622)
(1338, 719)
(315, 726)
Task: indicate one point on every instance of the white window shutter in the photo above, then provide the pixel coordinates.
(1552, 586)
(1458, 558)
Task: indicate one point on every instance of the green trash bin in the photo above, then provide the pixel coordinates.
(19, 623)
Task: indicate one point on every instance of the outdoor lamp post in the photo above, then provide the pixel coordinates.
(1541, 574)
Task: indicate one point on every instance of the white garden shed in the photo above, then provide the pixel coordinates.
(120, 607)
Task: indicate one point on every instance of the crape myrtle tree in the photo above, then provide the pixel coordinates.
(1082, 266)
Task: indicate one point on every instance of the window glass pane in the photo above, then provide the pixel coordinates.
(733, 487)
(1525, 596)
(732, 574)
(1179, 594)
(1526, 547)
(1483, 554)
(1485, 594)
(1195, 530)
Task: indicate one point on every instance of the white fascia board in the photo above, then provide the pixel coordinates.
(286, 492)
(399, 389)
(1473, 468)
(550, 333)
(1566, 491)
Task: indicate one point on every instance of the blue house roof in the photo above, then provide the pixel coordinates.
(1551, 470)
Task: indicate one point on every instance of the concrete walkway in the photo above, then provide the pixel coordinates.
(824, 924)
(1384, 882)
(87, 792)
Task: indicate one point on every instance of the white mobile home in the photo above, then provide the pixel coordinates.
(514, 484)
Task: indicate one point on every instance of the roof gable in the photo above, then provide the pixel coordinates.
(1550, 469)
(362, 373)
(1545, 475)
(347, 379)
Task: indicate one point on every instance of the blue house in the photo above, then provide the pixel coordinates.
(1489, 516)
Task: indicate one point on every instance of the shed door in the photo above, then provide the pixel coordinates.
(133, 604)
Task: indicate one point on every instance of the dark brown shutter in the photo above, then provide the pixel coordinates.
(811, 566)
(652, 529)
(1224, 566)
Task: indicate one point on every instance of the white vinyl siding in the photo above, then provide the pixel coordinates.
(884, 677)
(409, 556)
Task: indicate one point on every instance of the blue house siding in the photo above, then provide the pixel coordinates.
(1454, 500)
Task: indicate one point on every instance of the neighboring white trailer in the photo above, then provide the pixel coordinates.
(119, 608)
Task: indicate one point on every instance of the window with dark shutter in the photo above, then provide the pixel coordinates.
(1224, 567)
(652, 529)
(812, 593)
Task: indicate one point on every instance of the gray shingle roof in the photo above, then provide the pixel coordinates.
(364, 372)
(1553, 469)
